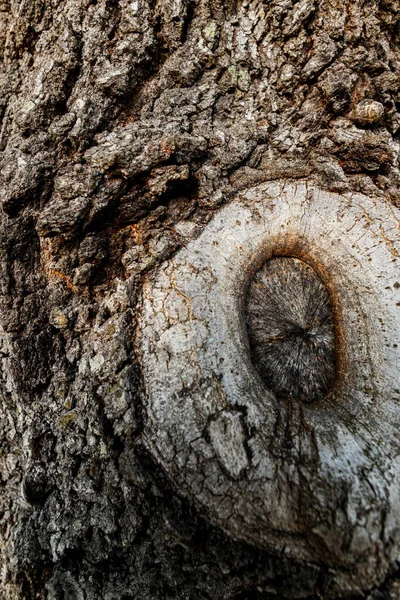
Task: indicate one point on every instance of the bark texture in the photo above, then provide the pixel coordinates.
(125, 128)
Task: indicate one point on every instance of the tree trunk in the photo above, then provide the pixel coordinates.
(199, 299)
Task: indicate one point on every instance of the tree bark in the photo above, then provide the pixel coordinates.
(154, 157)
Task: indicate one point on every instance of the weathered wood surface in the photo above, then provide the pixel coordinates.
(316, 480)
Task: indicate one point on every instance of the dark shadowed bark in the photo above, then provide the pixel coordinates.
(183, 415)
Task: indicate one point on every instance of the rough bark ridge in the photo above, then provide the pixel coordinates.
(124, 127)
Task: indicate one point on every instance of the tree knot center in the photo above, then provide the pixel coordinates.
(291, 329)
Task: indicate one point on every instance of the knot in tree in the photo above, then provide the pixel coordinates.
(267, 372)
(291, 329)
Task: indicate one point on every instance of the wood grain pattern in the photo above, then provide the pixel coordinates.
(291, 329)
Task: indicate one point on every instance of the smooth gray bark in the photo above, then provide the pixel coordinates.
(126, 127)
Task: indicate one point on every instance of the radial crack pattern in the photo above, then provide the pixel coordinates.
(290, 324)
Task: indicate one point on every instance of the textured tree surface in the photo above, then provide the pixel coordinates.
(127, 129)
(311, 473)
(291, 329)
